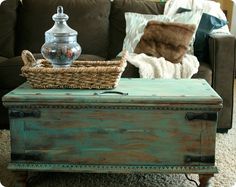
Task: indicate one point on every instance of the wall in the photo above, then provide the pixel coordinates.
(227, 6)
(233, 23)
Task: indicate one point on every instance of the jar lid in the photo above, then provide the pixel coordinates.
(60, 27)
(60, 16)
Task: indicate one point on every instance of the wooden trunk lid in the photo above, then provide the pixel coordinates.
(163, 92)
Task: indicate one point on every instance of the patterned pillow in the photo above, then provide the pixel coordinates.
(207, 24)
(135, 24)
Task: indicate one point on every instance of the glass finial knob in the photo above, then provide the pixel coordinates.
(60, 10)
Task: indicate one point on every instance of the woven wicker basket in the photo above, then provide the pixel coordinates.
(81, 74)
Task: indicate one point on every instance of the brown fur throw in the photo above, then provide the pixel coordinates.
(168, 40)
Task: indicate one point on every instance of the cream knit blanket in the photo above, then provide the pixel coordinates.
(152, 67)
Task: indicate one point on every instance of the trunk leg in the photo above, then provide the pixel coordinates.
(204, 179)
(21, 179)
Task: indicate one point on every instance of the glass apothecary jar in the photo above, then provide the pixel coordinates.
(61, 47)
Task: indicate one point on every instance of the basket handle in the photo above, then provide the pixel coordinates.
(111, 92)
(124, 54)
(28, 58)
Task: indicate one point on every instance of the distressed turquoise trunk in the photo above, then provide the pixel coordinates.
(140, 126)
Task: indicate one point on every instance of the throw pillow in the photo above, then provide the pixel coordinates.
(135, 24)
(207, 24)
(168, 40)
(201, 45)
(189, 17)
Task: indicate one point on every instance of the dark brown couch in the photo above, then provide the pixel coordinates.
(101, 30)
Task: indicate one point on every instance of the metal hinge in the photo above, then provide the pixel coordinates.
(26, 156)
(23, 114)
(203, 159)
(201, 116)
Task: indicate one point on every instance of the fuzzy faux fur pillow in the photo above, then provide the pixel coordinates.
(169, 40)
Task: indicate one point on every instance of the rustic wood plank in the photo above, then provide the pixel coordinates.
(112, 137)
(146, 91)
(17, 137)
(208, 138)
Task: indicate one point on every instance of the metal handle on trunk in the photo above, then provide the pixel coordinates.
(111, 92)
(201, 116)
(23, 114)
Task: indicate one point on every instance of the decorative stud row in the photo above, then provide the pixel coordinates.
(114, 107)
(112, 168)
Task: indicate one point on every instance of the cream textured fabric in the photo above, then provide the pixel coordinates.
(152, 67)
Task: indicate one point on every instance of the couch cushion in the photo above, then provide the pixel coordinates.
(117, 19)
(87, 57)
(10, 73)
(131, 71)
(204, 72)
(7, 22)
(89, 18)
(3, 59)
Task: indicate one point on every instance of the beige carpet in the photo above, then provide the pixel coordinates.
(225, 161)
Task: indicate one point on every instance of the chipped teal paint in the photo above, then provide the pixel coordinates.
(172, 91)
(147, 127)
(86, 136)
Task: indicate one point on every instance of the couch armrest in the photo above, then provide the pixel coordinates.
(2, 59)
(222, 59)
